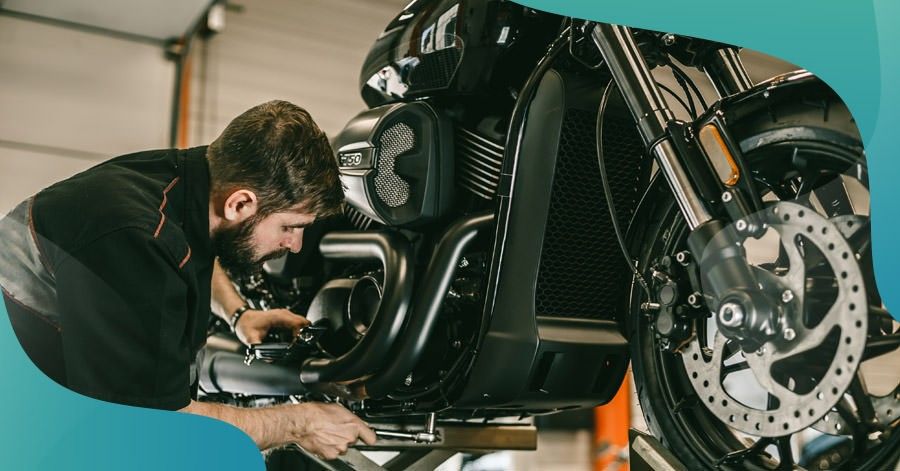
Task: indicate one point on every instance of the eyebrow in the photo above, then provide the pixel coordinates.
(304, 224)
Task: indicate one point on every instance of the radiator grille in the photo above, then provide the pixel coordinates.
(478, 163)
(582, 272)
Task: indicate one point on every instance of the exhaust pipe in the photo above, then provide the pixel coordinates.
(371, 352)
(427, 304)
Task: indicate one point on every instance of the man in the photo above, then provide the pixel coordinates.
(106, 275)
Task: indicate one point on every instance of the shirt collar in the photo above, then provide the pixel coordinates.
(195, 172)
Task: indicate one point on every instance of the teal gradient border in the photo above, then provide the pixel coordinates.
(844, 42)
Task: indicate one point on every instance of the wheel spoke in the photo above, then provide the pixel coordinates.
(734, 368)
(785, 453)
(846, 411)
(739, 457)
(834, 198)
(857, 430)
(863, 401)
(685, 403)
(731, 349)
(881, 345)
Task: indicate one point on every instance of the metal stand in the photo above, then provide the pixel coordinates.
(646, 453)
(421, 456)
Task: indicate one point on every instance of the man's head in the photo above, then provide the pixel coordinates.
(272, 172)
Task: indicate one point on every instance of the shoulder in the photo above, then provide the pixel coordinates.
(134, 247)
(127, 192)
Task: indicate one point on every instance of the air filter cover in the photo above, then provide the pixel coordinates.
(396, 163)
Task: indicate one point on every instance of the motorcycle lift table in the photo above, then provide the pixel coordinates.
(451, 438)
(646, 453)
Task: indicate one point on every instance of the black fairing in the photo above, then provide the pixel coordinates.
(560, 283)
(445, 47)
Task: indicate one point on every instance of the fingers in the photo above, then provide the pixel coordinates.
(332, 430)
(287, 319)
(252, 337)
(366, 434)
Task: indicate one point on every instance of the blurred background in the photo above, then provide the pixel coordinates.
(83, 81)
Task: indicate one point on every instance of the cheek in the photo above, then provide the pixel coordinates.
(263, 240)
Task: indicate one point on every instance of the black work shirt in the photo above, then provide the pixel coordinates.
(127, 245)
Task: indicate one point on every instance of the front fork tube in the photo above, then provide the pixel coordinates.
(651, 113)
(726, 72)
(727, 277)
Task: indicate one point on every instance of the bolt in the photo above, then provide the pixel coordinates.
(787, 296)
(668, 39)
(766, 94)
(694, 299)
(761, 351)
(789, 334)
(463, 262)
(741, 225)
(648, 306)
(726, 197)
(408, 379)
(731, 315)
(660, 276)
(683, 257)
(457, 344)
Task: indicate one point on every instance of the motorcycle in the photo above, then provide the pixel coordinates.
(526, 217)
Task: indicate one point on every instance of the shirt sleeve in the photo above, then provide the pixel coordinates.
(124, 322)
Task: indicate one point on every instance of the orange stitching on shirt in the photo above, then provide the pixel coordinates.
(34, 237)
(165, 200)
(7, 295)
(186, 258)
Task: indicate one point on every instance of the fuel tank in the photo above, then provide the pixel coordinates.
(442, 47)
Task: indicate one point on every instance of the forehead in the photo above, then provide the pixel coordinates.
(293, 216)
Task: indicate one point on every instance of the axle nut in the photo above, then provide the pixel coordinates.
(731, 314)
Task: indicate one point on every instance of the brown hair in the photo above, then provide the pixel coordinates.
(277, 151)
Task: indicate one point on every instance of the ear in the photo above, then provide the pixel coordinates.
(240, 205)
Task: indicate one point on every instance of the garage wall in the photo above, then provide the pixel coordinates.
(308, 53)
(69, 99)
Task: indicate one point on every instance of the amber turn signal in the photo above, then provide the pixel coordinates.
(719, 155)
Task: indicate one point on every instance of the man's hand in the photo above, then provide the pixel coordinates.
(327, 430)
(253, 325)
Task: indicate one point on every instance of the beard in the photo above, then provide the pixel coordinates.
(234, 249)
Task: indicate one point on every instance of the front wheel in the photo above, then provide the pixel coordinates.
(717, 407)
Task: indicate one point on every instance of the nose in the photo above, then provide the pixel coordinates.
(293, 242)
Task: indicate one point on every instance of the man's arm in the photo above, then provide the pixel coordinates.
(325, 430)
(253, 325)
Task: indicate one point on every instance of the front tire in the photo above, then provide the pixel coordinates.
(812, 134)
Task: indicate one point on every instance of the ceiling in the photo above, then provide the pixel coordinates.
(157, 19)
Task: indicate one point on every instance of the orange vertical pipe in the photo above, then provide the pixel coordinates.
(611, 424)
(184, 102)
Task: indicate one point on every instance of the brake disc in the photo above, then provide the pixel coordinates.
(886, 412)
(792, 410)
